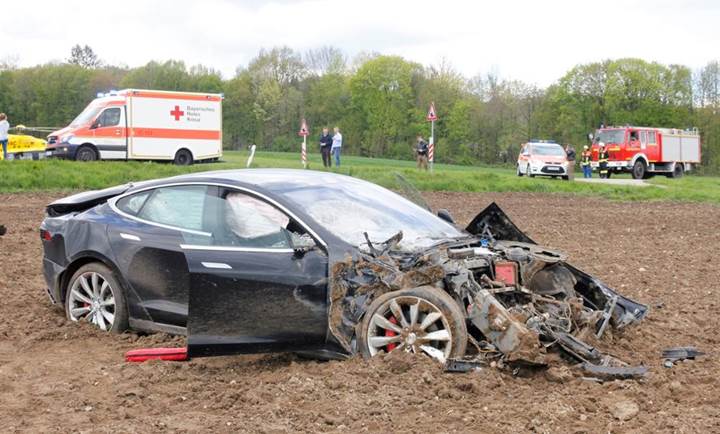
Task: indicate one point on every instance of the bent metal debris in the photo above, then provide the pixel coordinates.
(524, 304)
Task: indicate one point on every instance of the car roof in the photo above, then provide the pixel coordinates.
(263, 178)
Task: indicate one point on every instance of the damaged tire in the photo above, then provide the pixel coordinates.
(419, 320)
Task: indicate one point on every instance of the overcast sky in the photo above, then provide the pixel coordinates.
(535, 41)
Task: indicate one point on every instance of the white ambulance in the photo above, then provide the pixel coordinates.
(134, 124)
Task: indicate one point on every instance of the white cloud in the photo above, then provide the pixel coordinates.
(529, 40)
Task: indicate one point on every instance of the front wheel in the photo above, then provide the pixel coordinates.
(419, 320)
(519, 173)
(86, 153)
(638, 170)
(96, 296)
(528, 171)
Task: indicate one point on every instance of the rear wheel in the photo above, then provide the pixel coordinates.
(639, 169)
(677, 171)
(183, 157)
(419, 320)
(86, 153)
(96, 296)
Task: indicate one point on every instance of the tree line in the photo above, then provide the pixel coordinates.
(380, 101)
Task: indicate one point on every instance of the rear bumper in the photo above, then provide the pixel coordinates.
(52, 273)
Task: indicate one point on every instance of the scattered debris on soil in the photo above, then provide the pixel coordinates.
(677, 354)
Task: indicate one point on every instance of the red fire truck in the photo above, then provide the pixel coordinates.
(645, 151)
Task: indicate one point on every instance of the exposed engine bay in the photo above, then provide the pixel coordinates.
(523, 304)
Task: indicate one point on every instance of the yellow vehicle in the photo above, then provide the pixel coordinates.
(23, 146)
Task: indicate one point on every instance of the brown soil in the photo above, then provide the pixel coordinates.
(57, 376)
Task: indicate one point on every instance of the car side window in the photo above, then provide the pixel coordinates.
(651, 137)
(242, 220)
(133, 204)
(109, 118)
(180, 206)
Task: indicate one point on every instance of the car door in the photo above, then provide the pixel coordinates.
(146, 242)
(250, 290)
(110, 132)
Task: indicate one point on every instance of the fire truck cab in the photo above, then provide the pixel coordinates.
(646, 151)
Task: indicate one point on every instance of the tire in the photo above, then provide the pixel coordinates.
(380, 324)
(519, 173)
(86, 153)
(566, 178)
(609, 174)
(678, 171)
(639, 169)
(88, 298)
(183, 157)
(529, 173)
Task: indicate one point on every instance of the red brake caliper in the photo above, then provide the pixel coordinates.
(391, 346)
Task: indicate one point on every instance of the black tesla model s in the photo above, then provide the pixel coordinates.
(264, 260)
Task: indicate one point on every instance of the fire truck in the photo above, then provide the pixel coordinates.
(646, 151)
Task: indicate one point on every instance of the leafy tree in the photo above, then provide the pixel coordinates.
(84, 56)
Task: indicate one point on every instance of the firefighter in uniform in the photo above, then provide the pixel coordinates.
(585, 162)
(603, 161)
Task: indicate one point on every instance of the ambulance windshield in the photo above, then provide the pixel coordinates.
(86, 116)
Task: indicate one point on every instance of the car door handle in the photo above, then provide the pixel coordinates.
(129, 237)
(216, 265)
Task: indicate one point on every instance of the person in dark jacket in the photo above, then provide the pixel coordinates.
(421, 153)
(603, 161)
(325, 145)
(570, 154)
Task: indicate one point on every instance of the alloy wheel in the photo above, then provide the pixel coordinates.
(91, 298)
(411, 324)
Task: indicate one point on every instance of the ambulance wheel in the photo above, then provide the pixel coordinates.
(638, 170)
(86, 153)
(183, 157)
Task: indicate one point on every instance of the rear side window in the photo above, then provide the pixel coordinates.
(180, 207)
(133, 204)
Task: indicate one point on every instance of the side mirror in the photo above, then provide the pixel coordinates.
(95, 124)
(445, 215)
(590, 136)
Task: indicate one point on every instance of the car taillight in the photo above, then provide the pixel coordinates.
(45, 235)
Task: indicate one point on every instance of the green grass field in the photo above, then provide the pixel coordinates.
(44, 175)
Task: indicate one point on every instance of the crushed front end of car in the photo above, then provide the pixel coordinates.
(523, 304)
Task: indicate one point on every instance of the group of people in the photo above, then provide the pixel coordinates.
(330, 146)
(585, 158)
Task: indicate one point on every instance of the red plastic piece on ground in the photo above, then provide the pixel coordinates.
(506, 272)
(143, 354)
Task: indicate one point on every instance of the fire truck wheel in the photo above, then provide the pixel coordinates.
(677, 171)
(183, 157)
(529, 173)
(86, 153)
(638, 170)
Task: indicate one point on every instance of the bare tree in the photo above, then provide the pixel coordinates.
(325, 60)
(84, 56)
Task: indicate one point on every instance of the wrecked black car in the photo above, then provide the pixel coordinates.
(267, 260)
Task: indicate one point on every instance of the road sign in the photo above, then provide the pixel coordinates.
(303, 129)
(432, 114)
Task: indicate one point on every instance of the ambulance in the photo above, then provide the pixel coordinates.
(135, 124)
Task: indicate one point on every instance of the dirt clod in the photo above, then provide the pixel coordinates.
(625, 410)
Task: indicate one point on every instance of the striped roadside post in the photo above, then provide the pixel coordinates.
(304, 133)
(431, 117)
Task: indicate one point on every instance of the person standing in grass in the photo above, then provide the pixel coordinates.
(4, 127)
(585, 162)
(326, 142)
(603, 160)
(421, 153)
(336, 145)
(570, 153)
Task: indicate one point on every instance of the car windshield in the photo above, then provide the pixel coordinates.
(86, 116)
(348, 207)
(610, 136)
(549, 150)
